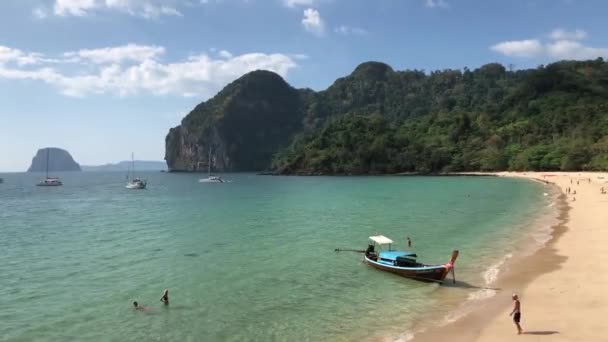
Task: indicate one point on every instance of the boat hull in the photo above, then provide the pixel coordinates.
(434, 273)
(135, 186)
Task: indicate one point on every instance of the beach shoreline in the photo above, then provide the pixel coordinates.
(539, 277)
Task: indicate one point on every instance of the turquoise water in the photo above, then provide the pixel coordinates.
(248, 260)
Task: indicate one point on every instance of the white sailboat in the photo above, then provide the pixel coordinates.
(49, 181)
(132, 181)
(211, 178)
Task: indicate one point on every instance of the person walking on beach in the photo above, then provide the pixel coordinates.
(516, 313)
(165, 297)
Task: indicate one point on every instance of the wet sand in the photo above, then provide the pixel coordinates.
(563, 286)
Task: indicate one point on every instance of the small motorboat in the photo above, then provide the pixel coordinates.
(404, 263)
(212, 179)
(136, 183)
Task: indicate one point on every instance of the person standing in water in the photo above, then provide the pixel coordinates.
(409, 242)
(516, 313)
(165, 297)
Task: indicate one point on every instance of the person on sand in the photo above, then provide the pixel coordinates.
(516, 313)
(165, 297)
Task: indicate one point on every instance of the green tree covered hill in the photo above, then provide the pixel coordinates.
(378, 120)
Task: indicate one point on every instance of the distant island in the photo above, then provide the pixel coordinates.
(377, 121)
(58, 160)
(140, 165)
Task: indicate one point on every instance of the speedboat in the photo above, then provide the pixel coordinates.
(136, 183)
(50, 181)
(404, 263)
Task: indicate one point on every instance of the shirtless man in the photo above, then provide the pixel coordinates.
(165, 297)
(516, 313)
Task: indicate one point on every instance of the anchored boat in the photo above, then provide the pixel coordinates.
(404, 263)
(132, 181)
(49, 181)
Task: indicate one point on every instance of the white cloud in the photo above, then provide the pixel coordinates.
(133, 69)
(436, 4)
(16, 56)
(561, 34)
(74, 7)
(142, 8)
(313, 22)
(519, 48)
(129, 52)
(569, 49)
(39, 13)
(563, 45)
(349, 30)
(225, 54)
(296, 3)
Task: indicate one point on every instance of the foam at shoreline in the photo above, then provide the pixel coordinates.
(534, 239)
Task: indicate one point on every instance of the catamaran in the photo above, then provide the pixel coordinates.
(404, 263)
(211, 178)
(49, 181)
(134, 182)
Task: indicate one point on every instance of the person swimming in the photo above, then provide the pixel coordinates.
(165, 297)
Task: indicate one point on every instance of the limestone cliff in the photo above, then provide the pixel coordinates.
(58, 159)
(241, 127)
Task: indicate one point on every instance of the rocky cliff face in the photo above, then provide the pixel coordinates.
(241, 127)
(59, 160)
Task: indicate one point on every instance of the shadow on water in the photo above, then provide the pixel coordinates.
(548, 332)
(465, 285)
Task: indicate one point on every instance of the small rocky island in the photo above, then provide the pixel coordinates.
(58, 160)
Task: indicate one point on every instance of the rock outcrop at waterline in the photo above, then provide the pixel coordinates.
(59, 160)
(241, 127)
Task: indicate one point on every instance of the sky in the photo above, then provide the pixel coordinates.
(104, 78)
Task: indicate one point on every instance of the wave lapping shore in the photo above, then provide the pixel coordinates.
(562, 286)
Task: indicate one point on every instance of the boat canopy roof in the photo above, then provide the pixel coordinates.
(381, 239)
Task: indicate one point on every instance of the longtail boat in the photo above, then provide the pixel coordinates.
(404, 263)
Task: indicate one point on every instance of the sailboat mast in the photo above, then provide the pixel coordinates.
(132, 165)
(209, 163)
(47, 162)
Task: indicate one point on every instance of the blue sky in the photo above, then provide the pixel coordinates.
(104, 78)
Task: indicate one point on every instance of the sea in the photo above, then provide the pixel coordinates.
(252, 259)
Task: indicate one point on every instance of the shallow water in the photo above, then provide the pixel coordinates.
(249, 260)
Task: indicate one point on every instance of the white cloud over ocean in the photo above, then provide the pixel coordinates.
(135, 69)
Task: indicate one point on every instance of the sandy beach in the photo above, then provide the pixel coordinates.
(563, 286)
